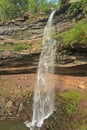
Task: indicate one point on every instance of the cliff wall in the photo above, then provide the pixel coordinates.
(72, 60)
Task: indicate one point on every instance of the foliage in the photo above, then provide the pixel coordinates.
(72, 100)
(3, 9)
(77, 7)
(38, 6)
(10, 9)
(84, 6)
(15, 47)
(77, 34)
(19, 47)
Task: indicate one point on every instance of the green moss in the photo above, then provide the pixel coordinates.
(20, 46)
(71, 99)
(76, 35)
(15, 47)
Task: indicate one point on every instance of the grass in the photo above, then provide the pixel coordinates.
(72, 99)
(20, 47)
(15, 47)
(76, 35)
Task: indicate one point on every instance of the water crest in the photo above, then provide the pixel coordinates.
(43, 105)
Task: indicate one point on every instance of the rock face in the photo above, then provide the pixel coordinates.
(70, 60)
(64, 21)
(16, 99)
(22, 29)
(73, 61)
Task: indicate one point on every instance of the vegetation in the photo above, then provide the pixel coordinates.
(76, 35)
(78, 7)
(70, 112)
(10, 9)
(19, 47)
(15, 47)
(72, 100)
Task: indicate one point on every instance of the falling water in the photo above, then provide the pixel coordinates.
(43, 105)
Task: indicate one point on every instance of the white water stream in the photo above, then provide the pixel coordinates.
(43, 105)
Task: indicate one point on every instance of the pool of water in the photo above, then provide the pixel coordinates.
(11, 125)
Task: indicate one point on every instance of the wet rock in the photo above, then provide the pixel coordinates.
(18, 27)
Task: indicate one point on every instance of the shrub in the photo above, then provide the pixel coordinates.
(19, 47)
(77, 7)
(84, 6)
(77, 34)
(72, 100)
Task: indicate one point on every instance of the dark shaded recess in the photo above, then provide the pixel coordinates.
(10, 64)
(62, 10)
(28, 64)
(80, 70)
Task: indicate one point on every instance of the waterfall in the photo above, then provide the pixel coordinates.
(43, 105)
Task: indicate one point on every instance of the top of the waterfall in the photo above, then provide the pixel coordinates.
(53, 9)
(49, 23)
